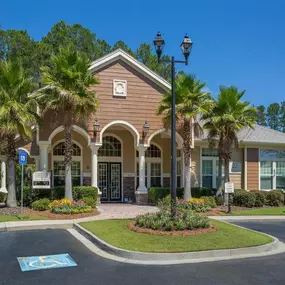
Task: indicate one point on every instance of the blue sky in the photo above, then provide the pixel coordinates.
(238, 42)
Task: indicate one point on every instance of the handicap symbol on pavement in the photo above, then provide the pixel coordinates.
(46, 262)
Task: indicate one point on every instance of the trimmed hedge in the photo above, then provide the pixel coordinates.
(257, 198)
(275, 198)
(57, 193)
(157, 193)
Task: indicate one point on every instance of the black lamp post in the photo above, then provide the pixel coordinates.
(186, 46)
(96, 127)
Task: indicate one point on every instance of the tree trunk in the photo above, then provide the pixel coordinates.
(187, 134)
(11, 183)
(68, 161)
(220, 173)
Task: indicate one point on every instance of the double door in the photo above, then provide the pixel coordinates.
(109, 181)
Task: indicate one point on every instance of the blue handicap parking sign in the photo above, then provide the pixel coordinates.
(22, 157)
(46, 262)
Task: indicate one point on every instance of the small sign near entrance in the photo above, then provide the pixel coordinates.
(22, 157)
(229, 187)
(41, 180)
(46, 262)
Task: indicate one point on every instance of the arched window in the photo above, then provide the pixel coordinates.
(152, 151)
(59, 149)
(111, 147)
(59, 165)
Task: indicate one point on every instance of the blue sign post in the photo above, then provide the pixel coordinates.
(23, 161)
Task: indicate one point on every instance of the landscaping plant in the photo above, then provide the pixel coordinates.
(163, 221)
(41, 205)
(66, 206)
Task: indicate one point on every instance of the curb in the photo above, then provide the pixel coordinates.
(183, 257)
(248, 218)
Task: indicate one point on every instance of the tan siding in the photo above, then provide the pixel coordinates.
(238, 178)
(143, 97)
(195, 167)
(252, 169)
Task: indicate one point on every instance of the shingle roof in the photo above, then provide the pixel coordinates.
(259, 134)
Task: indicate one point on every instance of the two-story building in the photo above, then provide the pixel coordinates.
(124, 149)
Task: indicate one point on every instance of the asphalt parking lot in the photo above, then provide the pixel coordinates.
(93, 269)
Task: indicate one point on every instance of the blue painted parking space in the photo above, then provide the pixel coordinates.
(46, 262)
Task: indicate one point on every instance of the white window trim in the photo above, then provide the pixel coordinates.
(274, 172)
(61, 158)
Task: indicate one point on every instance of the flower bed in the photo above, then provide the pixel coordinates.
(66, 206)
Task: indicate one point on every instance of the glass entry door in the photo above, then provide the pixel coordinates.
(109, 181)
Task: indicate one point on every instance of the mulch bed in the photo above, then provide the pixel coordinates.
(194, 232)
(53, 216)
(50, 216)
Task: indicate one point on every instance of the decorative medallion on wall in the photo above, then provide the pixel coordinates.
(120, 88)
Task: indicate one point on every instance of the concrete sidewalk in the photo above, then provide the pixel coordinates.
(107, 212)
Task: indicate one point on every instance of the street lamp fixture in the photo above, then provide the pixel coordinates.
(145, 128)
(159, 44)
(96, 127)
(186, 47)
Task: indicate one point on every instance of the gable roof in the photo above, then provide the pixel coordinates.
(133, 62)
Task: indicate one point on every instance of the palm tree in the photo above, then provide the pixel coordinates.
(67, 91)
(228, 116)
(191, 102)
(17, 116)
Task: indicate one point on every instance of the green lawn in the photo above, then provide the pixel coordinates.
(116, 232)
(21, 218)
(261, 211)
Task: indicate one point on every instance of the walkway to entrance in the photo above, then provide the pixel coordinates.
(120, 211)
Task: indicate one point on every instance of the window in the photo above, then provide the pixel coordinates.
(210, 168)
(207, 173)
(59, 173)
(153, 167)
(272, 169)
(155, 174)
(178, 173)
(110, 147)
(59, 149)
(59, 165)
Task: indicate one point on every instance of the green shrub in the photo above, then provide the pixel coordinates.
(197, 192)
(163, 221)
(3, 197)
(41, 205)
(260, 198)
(209, 201)
(244, 199)
(89, 201)
(219, 200)
(79, 192)
(157, 193)
(275, 198)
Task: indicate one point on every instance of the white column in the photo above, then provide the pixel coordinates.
(94, 166)
(43, 145)
(142, 187)
(3, 177)
(37, 160)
